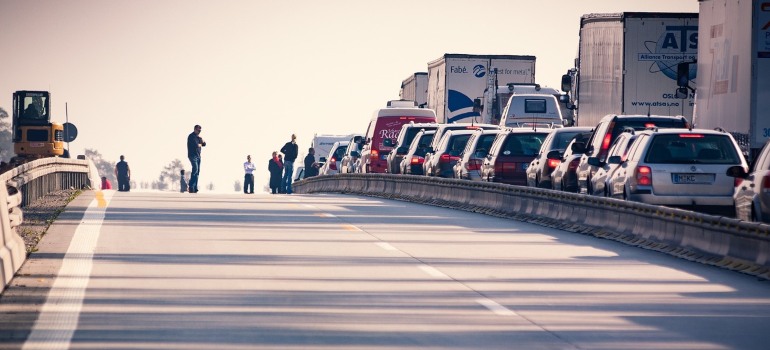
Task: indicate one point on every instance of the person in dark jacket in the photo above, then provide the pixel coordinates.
(275, 166)
(123, 173)
(194, 144)
(289, 150)
(311, 167)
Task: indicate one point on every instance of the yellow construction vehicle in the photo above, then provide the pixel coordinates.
(34, 135)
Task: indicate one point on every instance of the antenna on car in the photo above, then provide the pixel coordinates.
(648, 110)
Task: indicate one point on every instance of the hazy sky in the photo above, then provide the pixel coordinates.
(137, 75)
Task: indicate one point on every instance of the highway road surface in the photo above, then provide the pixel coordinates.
(152, 270)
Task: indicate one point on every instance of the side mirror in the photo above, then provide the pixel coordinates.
(594, 161)
(553, 155)
(578, 147)
(429, 150)
(615, 160)
(566, 82)
(402, 150)
(737, 171)
(322, 160)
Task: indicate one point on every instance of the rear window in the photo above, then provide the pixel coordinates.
(422, 144)
(562, 139)
(457, 144)
(410, 133)
(340, 152)
(483, 145)
(641, 124)
(692, 149)
(523, 145)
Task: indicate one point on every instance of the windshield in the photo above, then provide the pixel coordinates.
(692, 148)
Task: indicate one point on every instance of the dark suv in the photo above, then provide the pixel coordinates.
(605, 134)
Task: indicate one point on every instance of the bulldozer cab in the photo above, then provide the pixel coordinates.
(33, 132)
(31, 107)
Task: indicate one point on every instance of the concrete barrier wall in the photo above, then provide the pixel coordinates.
(25, 184)
(714, 240)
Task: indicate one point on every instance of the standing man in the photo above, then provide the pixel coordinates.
(311, 167)
(289, 150)
(194, 144)
(248, 179)
(123, 173)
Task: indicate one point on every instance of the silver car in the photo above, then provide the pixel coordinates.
(599, 182)
(447, 153)
(469, 165)
(752, 190)
(334, 159)
(680, 168)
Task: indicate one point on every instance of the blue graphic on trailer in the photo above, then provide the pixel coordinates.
(677, 44)
(460, 107)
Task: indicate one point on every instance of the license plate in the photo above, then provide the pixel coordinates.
(36, 144)
(693, 178)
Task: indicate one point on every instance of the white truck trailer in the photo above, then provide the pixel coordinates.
(627, 64)
(733, 87)
(415, 88)
(455, 80)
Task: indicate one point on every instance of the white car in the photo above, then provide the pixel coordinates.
(679, 168)
(333, 160)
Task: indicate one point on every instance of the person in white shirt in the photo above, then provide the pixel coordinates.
(248, 179)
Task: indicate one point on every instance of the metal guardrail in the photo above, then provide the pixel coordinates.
(25, 184)
(714, 240)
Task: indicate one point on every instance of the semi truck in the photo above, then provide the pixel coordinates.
(733, 86)
(455, 80)
(627, 64)
(415, 88)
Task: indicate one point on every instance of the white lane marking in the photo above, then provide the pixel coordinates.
(433, 272)
(326, 215)
(308, 206)
(495, 307)
(386, 246)
(59, 315)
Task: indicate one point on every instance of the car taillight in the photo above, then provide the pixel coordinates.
(553, 163)
(375, 153)
(417, 160)
(691, 136)
(333, 164)
(473, 164)
(644, 176)
(606, 142)
(446, 158)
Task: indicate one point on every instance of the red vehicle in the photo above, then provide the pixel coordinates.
(384, 128)
(511, 153)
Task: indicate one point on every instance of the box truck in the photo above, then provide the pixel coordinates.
(733, 87)
(455, 80)
(627, 64)
(415, 88)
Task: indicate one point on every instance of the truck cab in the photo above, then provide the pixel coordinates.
(532, 104)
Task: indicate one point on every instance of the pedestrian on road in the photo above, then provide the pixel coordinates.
(194, 144)
(311, 167)
(182, 181)
(106, 185)
(275, 167)
(123, 173)
(248, 178)
(289, 150)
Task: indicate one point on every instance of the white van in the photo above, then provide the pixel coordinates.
(532, 105)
